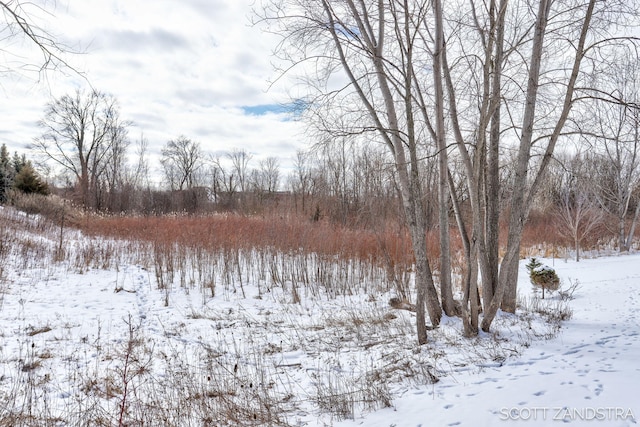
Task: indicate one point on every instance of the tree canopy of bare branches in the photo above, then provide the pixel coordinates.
(84, 134)
(182, 161)
(20, 23)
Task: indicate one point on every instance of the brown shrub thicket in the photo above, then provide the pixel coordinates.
(231, 231)
(389, 246)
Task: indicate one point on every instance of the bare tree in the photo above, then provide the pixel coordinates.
(80, 132)
(224, 183)
(613, 128)
(547, 50)
(337, 159)
(372, 43)
(577, 207)
(181, 162)
(300, 180)
(113, 173)
(267, 179)
(133, 180)
(493, 47)
(139, 173)
(446, 290)
(240, 171)
(240, 164)
(19, 24)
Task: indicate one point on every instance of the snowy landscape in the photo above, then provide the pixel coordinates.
(587, 375)
(319, 213)
(89, 337)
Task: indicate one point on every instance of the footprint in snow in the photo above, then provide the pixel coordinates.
(542, 357)
(599, 389)
(605, 340)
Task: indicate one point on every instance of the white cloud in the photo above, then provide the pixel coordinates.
(176, 67)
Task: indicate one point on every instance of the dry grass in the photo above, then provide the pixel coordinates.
(237, 232)
(333, 328)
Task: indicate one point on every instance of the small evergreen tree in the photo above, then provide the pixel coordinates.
(542, 276)
(28, 181)
(18, 162)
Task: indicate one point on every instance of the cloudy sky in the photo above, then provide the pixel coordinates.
(177, 67)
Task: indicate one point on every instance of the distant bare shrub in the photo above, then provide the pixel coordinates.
(567, 294)
(51, 207)
(342, 396)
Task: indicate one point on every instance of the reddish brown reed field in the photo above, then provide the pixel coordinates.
(390, 246)
(232, 231)
(540, 229)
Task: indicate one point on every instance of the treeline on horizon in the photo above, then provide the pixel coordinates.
(588, 195)
(343, 184)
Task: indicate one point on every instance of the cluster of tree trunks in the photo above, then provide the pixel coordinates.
(482, 88)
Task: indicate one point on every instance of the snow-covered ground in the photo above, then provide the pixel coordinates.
(588, 375)
(91, 340)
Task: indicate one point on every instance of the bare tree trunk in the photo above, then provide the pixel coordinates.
(627, 239)
(473, 293)
(84, 185)
(446, 291)
(506, 293)
(622, 235)
(509, 276)
(469, 312)
(632, 228)
(493, 160)
(401, 141)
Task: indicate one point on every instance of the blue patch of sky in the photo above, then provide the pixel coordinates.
(350, 32)
(292, 108)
